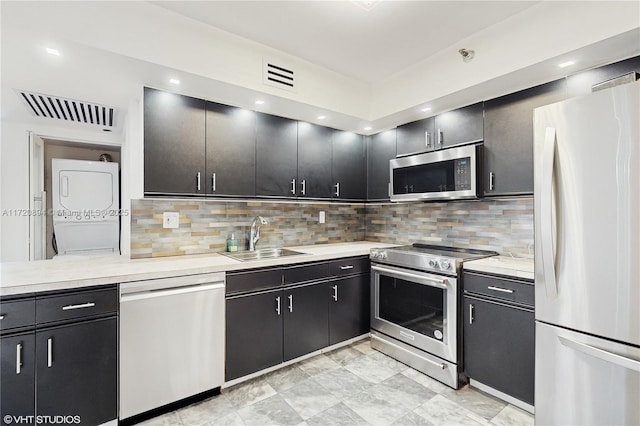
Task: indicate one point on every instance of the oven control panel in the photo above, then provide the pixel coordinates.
(422, 262)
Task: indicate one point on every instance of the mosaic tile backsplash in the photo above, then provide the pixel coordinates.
(505, 226)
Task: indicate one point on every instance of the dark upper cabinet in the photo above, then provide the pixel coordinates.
(508, 138)
(306, 318)
(230, 150)
(348, 166)
(77, 371)
(276, 156)
(314, 160)
(381, 148)
(17, 375)
(460, 126)
(349, 303)
(580, 83)
(174, 143)
(254, 333)
(416, 137)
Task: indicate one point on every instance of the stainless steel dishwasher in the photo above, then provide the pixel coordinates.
(171, 340)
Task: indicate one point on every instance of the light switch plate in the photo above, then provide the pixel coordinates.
(321, 217)
(170, 220)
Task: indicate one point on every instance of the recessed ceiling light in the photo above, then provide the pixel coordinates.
(566, 64)
(321, 117)
(368, 128)
(259, 102)
(52, 51)
(425, 109)
(174, 81)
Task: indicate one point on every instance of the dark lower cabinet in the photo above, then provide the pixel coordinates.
(17, 376)
(499, 339)
(349, 307)
(77, 371)
(254, 333)
(305, 327)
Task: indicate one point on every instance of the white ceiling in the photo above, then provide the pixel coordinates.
(369, 45)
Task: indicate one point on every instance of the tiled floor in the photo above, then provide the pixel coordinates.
(354, 385)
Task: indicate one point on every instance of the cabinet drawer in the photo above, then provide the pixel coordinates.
(501, 288)
(353, 265)
(240, 282)
(76, 305)
(18, 313)
(304, 273)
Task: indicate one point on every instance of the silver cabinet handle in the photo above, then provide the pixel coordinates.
(290, 297)
(49, 352)
(346, 267)
(622, 361)
(304, 186)
(471, 313)
(278, 305)
(213, 182)
(1, 317)
(18, 357)
(337, 193)
(503, 290)
(427, 140)
(81, 306)
(198, 181)
(440, 140)
(491, 177)
(335, 292)
(293, 186)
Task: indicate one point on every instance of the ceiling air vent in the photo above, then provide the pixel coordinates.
(278, 75)
(69, 110)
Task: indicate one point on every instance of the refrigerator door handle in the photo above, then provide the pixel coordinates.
(613, 358)
(546, 213)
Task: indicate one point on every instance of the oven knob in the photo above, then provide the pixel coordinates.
(382, 255)
(445, 264)
(374, 253)
(433, 263)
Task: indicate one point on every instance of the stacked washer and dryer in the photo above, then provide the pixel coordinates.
(86, 207)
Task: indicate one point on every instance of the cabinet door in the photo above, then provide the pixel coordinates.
(460, 126)
(416, 137)
(314, 160)
(306, 320)
(17, 375)
(276, 156)
(499, 347)
(254, 333)
(381, 148)
(580, 83)
(77, 370)
(349, 303)
(174, 143)
(230, 148)
(508, 138)
(348, 167)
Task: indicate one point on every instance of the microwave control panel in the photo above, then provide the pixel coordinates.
(462, 172)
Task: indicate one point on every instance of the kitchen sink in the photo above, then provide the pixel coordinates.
(265, 253)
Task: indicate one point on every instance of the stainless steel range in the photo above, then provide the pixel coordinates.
(415, 306)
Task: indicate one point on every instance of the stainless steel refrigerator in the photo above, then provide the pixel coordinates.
(587, 259)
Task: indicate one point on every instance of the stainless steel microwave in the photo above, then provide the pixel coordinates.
(448, 174)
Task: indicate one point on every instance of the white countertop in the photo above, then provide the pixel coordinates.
(502, 265)
(81, 271)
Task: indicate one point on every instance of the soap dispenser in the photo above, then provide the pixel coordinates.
(232, 243)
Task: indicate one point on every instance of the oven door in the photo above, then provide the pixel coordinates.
(417, 308)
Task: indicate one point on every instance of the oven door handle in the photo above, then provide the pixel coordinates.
(419, 278)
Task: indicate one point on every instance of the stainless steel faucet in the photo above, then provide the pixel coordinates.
(255, 231)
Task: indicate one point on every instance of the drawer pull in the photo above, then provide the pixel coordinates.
(503, 290)
(82, 306)
(18, 357)
(49, 352)
(347, 267)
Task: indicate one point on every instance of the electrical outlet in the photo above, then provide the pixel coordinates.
(170, 220)
(321, 217)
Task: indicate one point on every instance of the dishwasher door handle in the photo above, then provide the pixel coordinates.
(150, 294)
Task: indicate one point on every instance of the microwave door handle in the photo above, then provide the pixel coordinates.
(547, 214)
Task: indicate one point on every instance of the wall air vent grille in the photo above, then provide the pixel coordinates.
(278, 75)
(69, 110)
